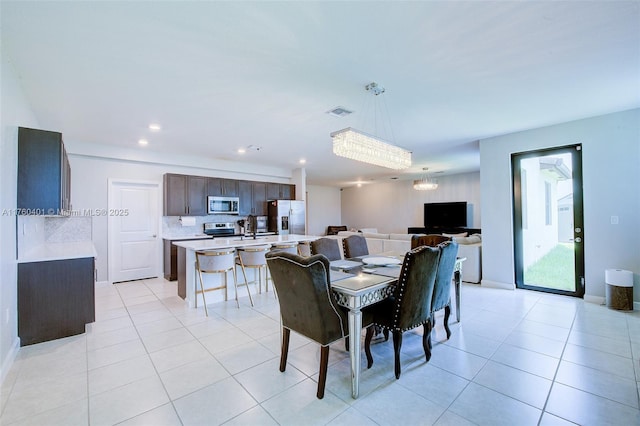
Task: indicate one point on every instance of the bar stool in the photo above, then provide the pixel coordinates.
(215, 262)
(289, 247)
(304, 249)
(253, 257)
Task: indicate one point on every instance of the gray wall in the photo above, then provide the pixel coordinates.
(90, 176)
(15, 112)
(323, 208)
(394, 206)
(611, 181)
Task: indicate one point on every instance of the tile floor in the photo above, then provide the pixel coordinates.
(518, 358)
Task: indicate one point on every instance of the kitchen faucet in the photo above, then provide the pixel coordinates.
(253, 225)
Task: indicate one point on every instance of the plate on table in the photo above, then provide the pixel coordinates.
(381, 261)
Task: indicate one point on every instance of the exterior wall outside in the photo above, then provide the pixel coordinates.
(539, 237)
(610, 158)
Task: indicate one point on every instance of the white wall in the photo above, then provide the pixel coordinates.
(90, 176)
(15, 113)
(323, 208)
(611, 176)
(392, 207)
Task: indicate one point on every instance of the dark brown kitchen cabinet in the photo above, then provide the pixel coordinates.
(170, 258)
(245, 194)
(55, 299)
(280, 191)
(222, 187)
(259, 198)
(44, 174)
(185, 195)
(253, 198)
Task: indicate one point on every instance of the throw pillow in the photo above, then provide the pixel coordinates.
(461, 234)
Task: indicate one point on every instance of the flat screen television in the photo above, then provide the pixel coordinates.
(445, 215)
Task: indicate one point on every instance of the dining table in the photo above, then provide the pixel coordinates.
(365, 280)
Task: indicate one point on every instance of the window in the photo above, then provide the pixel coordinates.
(547, 203)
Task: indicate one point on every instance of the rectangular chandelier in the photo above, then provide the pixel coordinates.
(359, 146)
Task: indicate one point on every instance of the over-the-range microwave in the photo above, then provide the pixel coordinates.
(222, 205)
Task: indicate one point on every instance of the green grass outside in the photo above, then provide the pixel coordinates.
(554, 270)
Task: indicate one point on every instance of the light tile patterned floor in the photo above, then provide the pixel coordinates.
(517, 358)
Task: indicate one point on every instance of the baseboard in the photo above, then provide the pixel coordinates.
(8, 361)
(497, 284)
(102, 284)
(636, 306)
(598, 300)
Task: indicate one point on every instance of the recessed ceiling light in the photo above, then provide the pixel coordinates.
(241, 150)
(302, 161)
(154, 127)
(143, 142)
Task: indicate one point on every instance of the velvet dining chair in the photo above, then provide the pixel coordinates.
(326, 246)
(442, 289)
(409, 306)
(354, 246)
(430, 240)
(307, 305)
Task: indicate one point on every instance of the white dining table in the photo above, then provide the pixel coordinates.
(354, 291)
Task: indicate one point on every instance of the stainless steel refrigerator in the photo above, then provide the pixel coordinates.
(287, 217)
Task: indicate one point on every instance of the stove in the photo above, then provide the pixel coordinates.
(220, 229)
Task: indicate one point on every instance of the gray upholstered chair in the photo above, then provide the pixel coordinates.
(328, 247)
(410, 305)
(442, 289)
(430, 240)
(307, 305)
(354, 246)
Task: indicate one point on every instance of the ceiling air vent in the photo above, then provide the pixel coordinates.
(339, 112)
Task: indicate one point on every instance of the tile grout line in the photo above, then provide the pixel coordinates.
(147, 353)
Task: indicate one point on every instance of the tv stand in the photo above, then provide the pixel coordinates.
(442, 230)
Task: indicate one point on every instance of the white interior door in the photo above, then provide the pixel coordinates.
(134, 250)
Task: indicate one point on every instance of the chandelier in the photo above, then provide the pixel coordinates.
(424, 183)
(356, 145)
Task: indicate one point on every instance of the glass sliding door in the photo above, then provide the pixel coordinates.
(548, 231)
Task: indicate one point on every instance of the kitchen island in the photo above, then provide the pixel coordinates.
(187, 277)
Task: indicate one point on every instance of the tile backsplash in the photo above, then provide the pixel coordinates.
(34, 231)
(67, 229)
(172, 227)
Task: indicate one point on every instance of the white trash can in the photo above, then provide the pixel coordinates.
(619, 293)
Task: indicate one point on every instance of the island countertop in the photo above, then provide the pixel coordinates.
(237, 242)
(187, 256)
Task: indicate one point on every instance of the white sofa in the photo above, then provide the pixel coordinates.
(468, 246)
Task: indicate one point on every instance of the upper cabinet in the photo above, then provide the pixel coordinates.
(253, 198)
(185, 195)
(44, 174)
(280, 191)
(222, 187)
(259, 199)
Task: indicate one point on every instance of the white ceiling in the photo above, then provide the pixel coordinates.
(221, 75)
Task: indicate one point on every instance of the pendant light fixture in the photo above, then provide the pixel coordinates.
(424, 183)
(360, 146)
